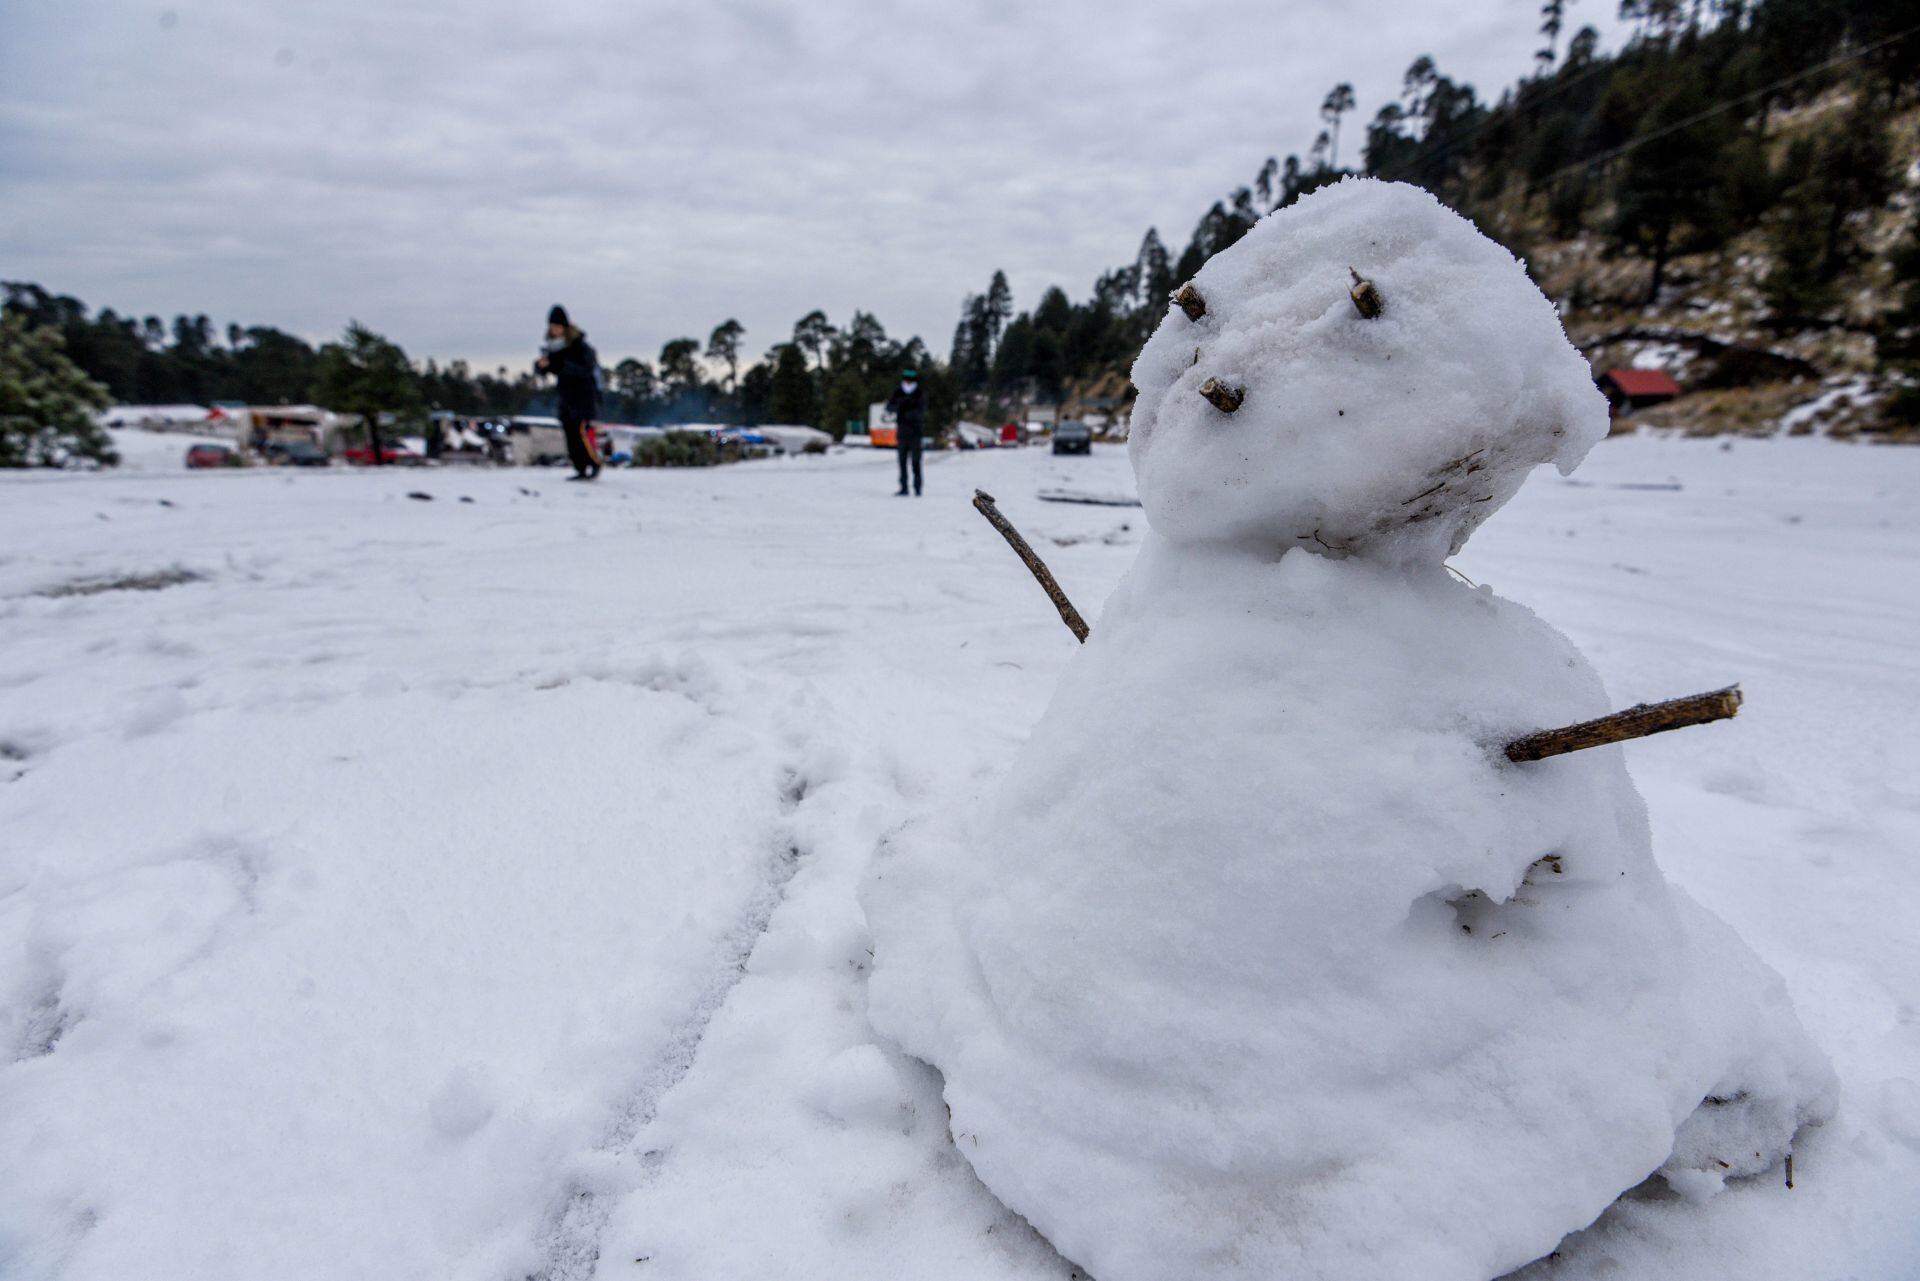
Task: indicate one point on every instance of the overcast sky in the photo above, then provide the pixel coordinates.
(444, 171)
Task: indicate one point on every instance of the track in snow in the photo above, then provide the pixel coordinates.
(571, 1241)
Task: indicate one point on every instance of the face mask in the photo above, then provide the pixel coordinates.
(909, 385)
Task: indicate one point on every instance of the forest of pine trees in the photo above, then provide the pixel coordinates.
(823, 375)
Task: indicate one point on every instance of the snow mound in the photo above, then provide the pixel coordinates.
(1309, 982)
(1398, 434)
(1306, 979)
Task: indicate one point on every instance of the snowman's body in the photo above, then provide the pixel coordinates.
(1265, 962)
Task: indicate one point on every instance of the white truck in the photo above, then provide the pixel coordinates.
(536, 441)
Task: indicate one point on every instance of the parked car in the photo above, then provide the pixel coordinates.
(497, 443)
(535, 441)
(390, 452)
(796, 440)
(974, 436)
(749, 442)
(210, 455)
(297, 453)
(1073, 437)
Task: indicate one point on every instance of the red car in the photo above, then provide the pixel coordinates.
(207, 455)
(363, 454)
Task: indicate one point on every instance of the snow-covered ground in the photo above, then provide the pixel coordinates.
(398, 888)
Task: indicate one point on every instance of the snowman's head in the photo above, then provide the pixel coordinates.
(1363, 373)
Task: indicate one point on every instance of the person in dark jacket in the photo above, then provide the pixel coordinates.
(576, 371)
(909, 406)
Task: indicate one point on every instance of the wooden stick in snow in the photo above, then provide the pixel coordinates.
(1366, 297)
(983, 502)
(1222, 397)
(1635, 722)
(1188, 299)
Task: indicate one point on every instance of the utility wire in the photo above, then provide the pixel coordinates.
(1487, 115)
(1641, 140)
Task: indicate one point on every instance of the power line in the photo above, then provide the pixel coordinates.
(1561, 86)
(1652, 135)
(1488, 113)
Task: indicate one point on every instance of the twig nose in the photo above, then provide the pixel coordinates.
(1366, 297)
(1222, 397)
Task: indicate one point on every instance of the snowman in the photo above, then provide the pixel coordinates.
(1264, 961)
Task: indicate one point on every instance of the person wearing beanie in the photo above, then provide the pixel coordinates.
(909, 406)
(576, 373)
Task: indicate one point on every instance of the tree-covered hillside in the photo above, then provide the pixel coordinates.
(1735, 165)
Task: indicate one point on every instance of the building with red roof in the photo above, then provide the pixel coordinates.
(1628, 390)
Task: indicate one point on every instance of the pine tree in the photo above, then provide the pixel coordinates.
(1048, 366)
(1338, 102)
(1851, 170)
(724, 345)
(1660, 200)
(1897, 344)
(46, 401)
(1567, 202)
(790, 393)
(1582, 49)
(1265, 184)
(972, 357)
(999, 300)
(1242, 212)
(1794, 286)
(1219, 228)
(1423, 138)
(1153, 273)
(274, 368)
(1317, 153)
(813, 332)
(1744, 187)
(846, 403)
(960, 354)
(1390, 146)
(1013, 360)
(370, 376)
(1292, 182)
(863, 346)
(633, 383)
(754, 400)
(1839, 171)
(1552, 15)
(680, 367)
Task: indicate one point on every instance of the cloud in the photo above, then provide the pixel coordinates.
(444, 171)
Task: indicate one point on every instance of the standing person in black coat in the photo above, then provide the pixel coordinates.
(576, 370)
(909, 406)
